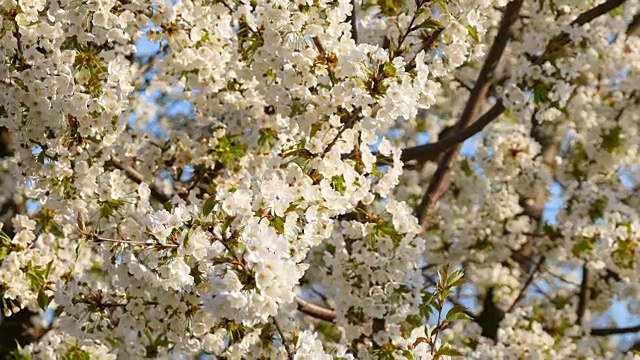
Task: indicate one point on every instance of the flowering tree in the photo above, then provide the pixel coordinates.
(295, 211)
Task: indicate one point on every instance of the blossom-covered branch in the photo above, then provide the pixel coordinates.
(440, 181)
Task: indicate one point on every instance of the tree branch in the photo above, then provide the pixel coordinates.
(432, 150)
(584, 295)
(305, 307)
(491, 315)
(527, 284)
(353, 20)
(440, 182)
(287, 348)
(136, 177)
(429, 41)
(377, 326)
(452, 300)
(315, 311)
(462, 83)
(593, 13)
(614, 331)
(633, 27)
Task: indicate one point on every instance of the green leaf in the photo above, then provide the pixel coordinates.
(389, 70)
(507, 115)
(47, 269)
(624, 253)
(443, 6)
(109, 207)
(277, 223)
(426, 309)
(4, 238)
(617, 11)
(596, 210)
(584, 245)
(454, 278)
(35, 278)
(408, 355)
(208, 206)
(429, 24)
(267, 135)
(18, 353)
(443, 274)
(414, 321)
(466, 168)
(338, 184)
(43, 299)
(541, 92)
(612, 139)
(458, 312)
(473, 33)
(447, 350)
(228, 150)
(388, 7)
(76, 353)
(44, 218)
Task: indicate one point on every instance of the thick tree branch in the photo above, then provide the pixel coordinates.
(441, 179)
(490, 316)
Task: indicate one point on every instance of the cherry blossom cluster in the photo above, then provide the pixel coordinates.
(160, 235)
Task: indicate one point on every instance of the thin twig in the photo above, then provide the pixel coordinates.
(464, 85)
(318, 43)
(325, 56)
(227, 6)
(409, 29)
(349, 121)
(452, 300)
(438, 324)
(287, 348)
(136, 177)
(564, 38)
(319, 294)
(428, 43)
(527, 284)
(131, 242)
